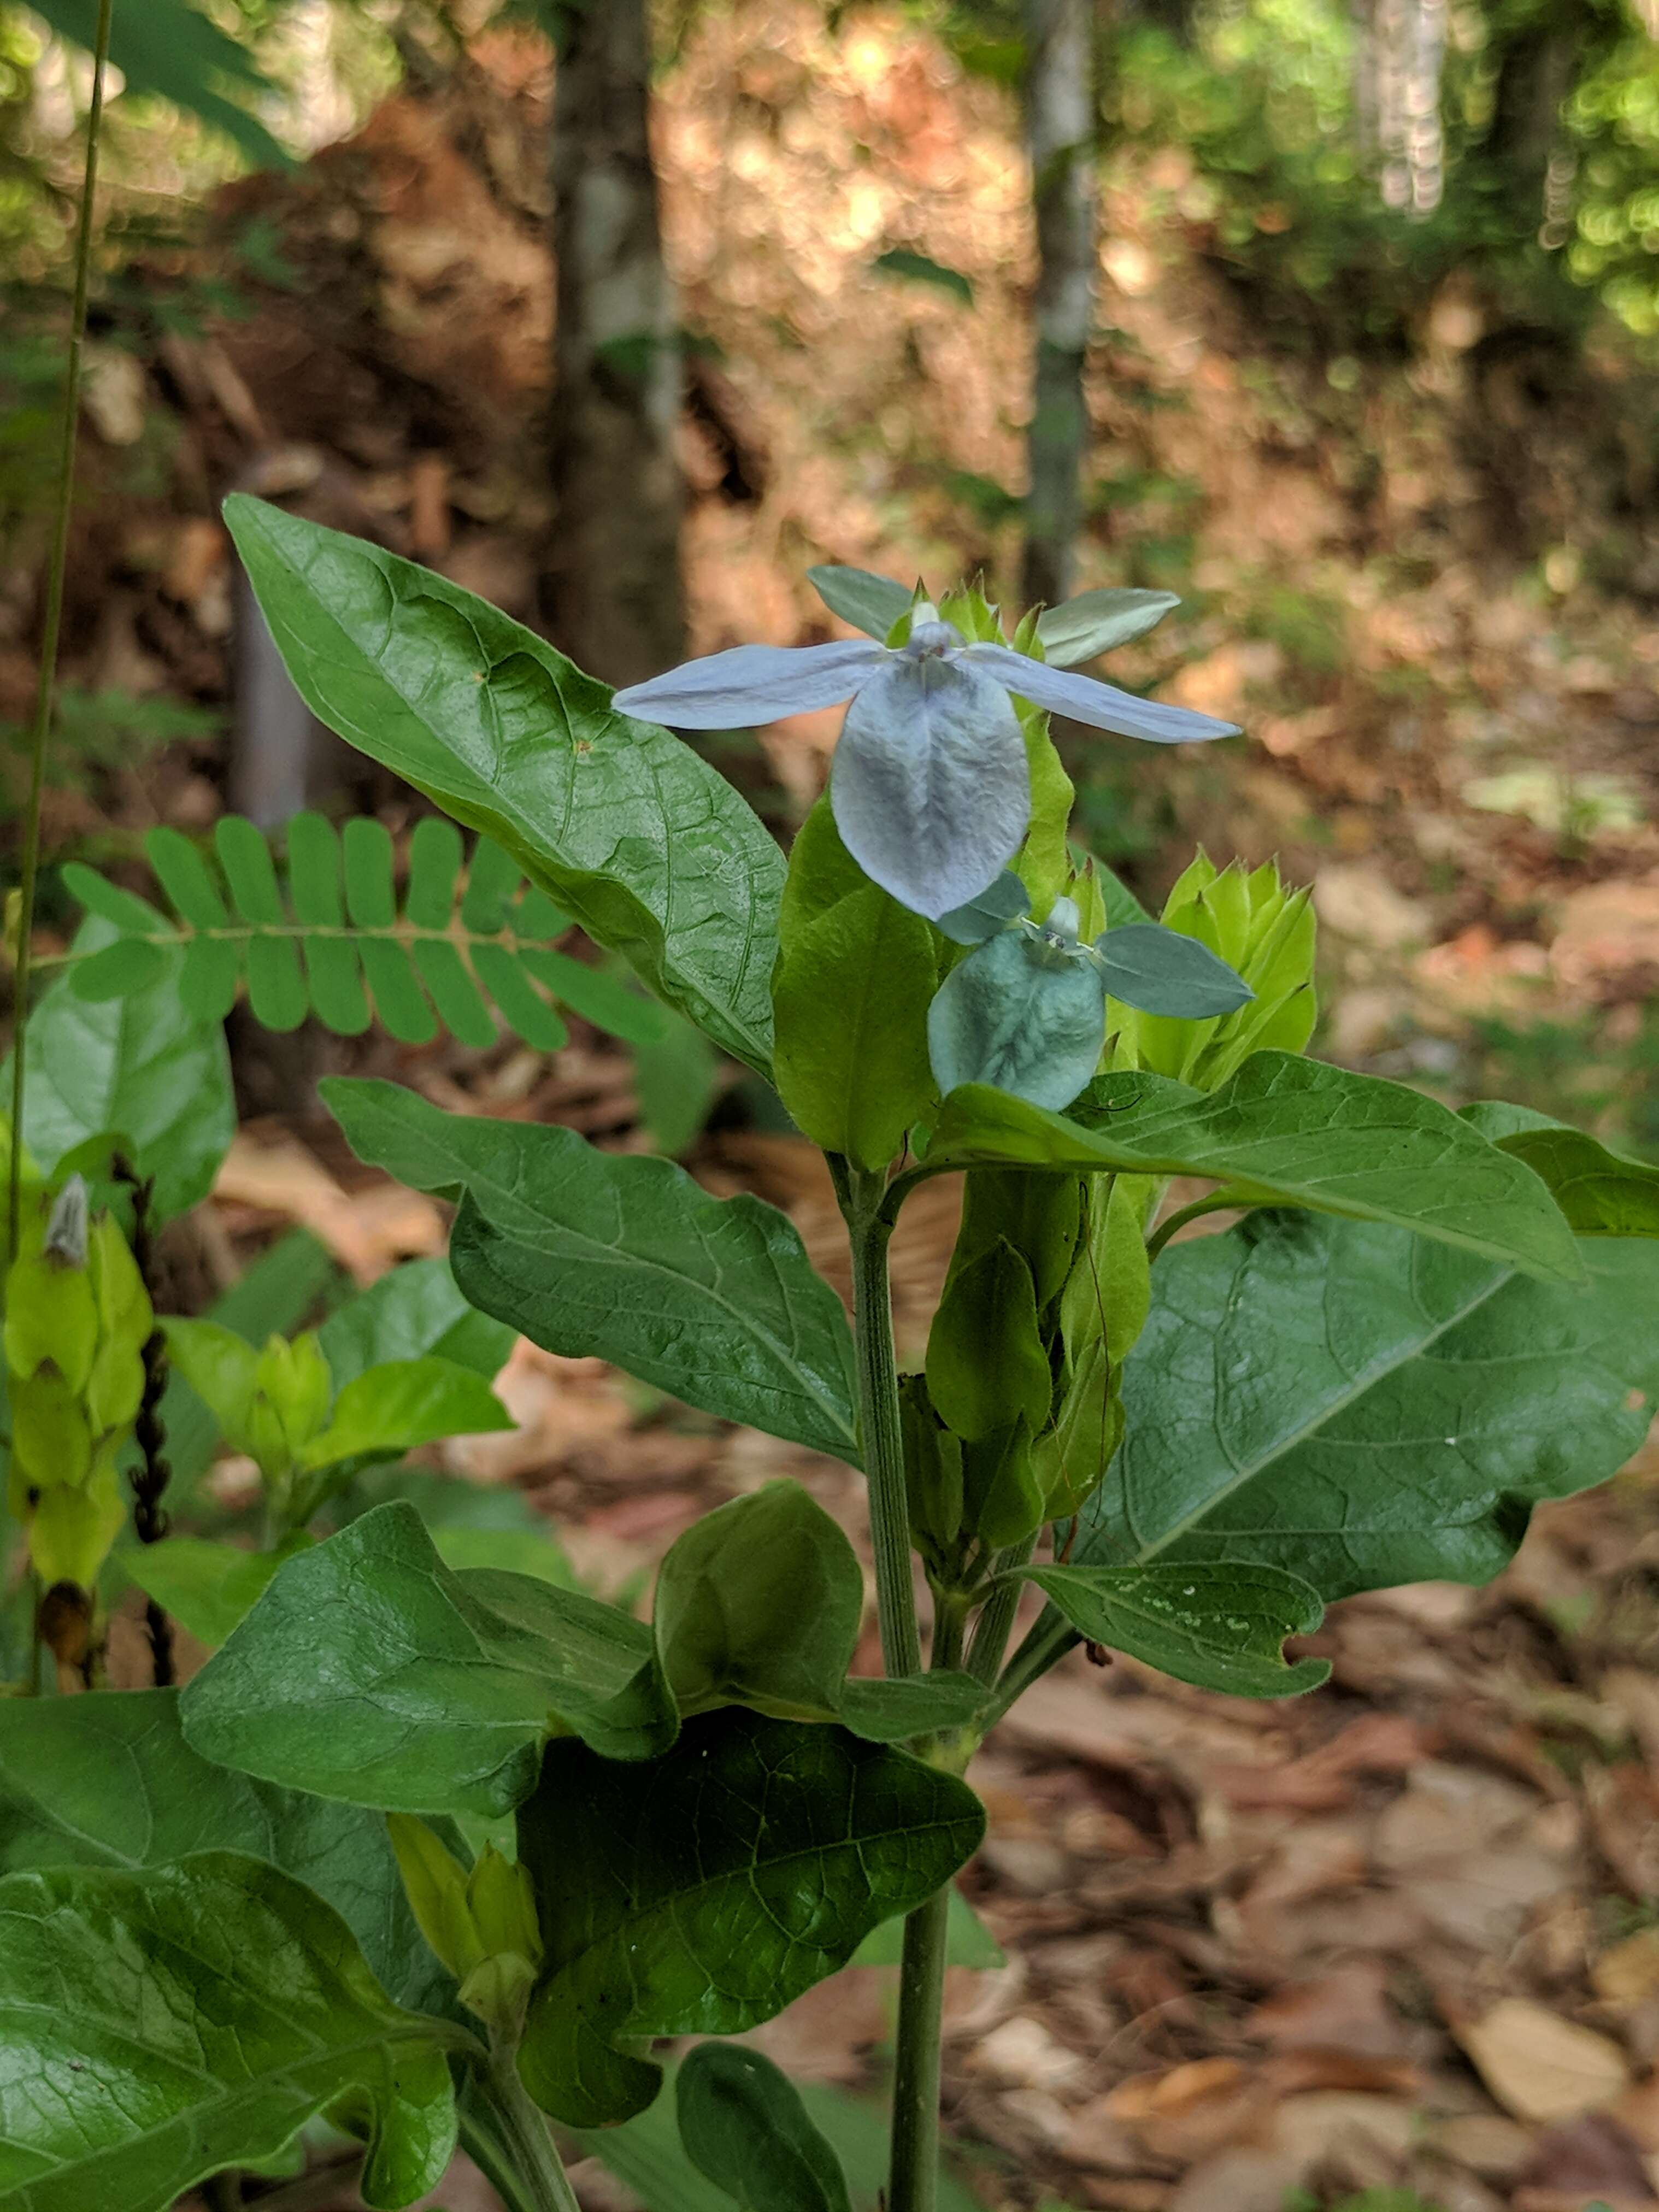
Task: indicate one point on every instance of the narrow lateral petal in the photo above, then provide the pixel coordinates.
(1102, 705)
(749, 685)
(930, 786)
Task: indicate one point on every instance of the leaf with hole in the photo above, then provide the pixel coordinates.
(629, 831)
(626, 1258)
(207, 2011)
(1220, 1626)
(806, 1839)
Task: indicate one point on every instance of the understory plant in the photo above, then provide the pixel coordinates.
(437, 1850)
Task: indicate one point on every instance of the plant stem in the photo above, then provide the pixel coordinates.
(57, 567)
(149, 1482)
(544, 2184)
(996, 1623)
(913, 2179)
(879, 1432)
(1219, 1201)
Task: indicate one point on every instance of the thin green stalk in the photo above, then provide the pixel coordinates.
(1219, 1201)
(996, 1623)
(879, 1432)
(543, 2185)
(58, 568)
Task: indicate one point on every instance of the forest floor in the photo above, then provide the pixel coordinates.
(1402, 1935)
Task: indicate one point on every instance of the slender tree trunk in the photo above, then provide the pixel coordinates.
(1060, 133)
(611, 582)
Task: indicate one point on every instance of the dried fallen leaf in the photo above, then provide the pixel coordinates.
(1541, 2067)
(366, 1232)
(1629, 1974)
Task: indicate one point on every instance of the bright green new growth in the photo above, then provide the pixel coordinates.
(307, 945)
(77, 1319)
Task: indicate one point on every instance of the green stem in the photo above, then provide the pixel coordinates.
(879, 1432)
(913, 2179)
(542, 2184)
(1219, 1201)
(996, 1623)
(57, 569)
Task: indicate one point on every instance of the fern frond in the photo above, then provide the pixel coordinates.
(328, 938)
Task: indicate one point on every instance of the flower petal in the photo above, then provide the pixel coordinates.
(1008, 1015)
(871, 603)
(930, 786)
(749, 685)
(1005, 901)
(1102, 705)
(1095, 622)
(1162, 972)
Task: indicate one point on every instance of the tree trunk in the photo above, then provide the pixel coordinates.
(611, 583)
(1059, 134)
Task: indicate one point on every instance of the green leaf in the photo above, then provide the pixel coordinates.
(107, 1780)
(644, 844)
(205, 2012)
(587, 1252)
(676, 1083)
(850, 999)
(1220, 1626)
(393, 1409)
(760, 1602)
(646, 2154)
(176, 50)
(900, 261)
(209, 1589)
(806, 1838)
(744, 2125)
(1361, 1407)
(969, 1941)
(871, 603)
(1095, 621)
(986, 1364)
(370, 1672)
(413, 1313)
(1286, 1129)
(1603, 1192)
(144, 1067)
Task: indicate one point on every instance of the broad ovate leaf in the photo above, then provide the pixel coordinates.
(806, 1838)
(1361, 1407)
(372, 1673)
(625, 1257)
(157, 2028)
(107, 1780)
(629, 830)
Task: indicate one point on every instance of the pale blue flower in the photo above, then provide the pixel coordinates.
(931, 787)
